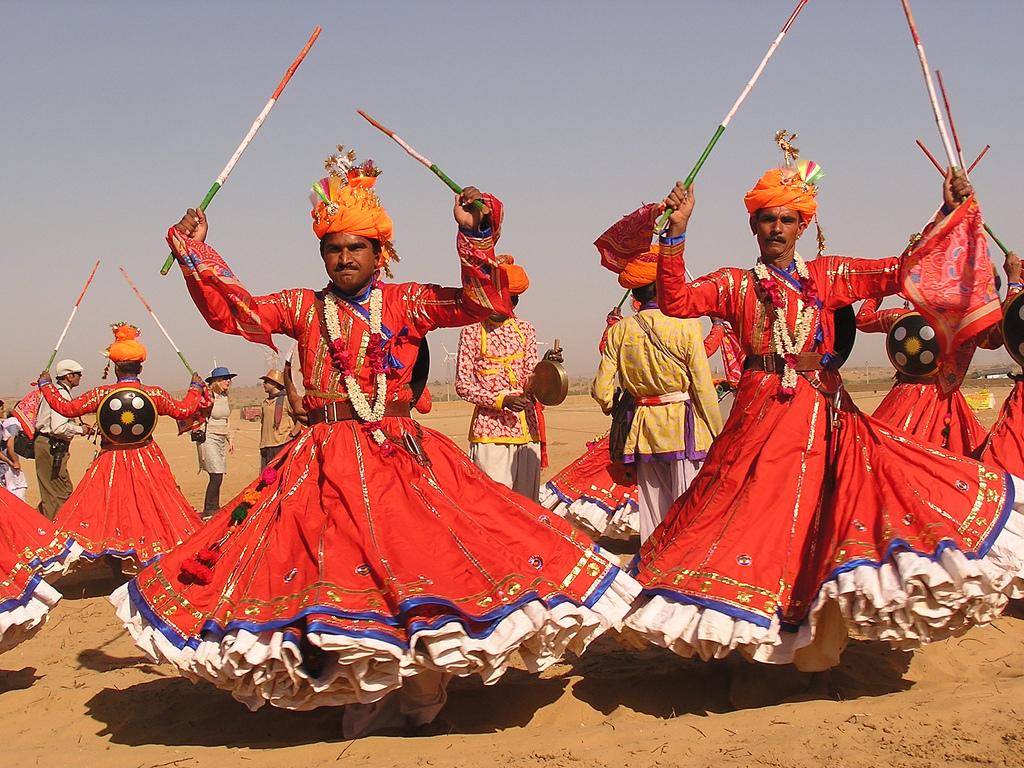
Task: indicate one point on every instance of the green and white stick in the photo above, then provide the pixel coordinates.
(223, 177)
(417, 156)
(735, 107)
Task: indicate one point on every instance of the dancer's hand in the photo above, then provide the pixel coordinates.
(469, 216)
(516, 403)
(956, 187)
(193, 224)
(1011, 266)
(681, 201)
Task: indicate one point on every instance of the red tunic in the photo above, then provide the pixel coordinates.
(806, 510)
(29, 547)
(921, 408)
(1004, 446)
(128, 504)
(355, 568)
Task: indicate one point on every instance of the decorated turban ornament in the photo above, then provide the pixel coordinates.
(345, 201)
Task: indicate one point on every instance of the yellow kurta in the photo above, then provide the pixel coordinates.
(645, 371)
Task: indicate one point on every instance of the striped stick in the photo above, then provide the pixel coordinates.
(735, 107)
(223, 177)
(960, 155)
(157, 319)
(416, 156)
(938, 166)
(926, 71)
(74, 309)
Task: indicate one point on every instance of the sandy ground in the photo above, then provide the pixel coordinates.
(80, 693)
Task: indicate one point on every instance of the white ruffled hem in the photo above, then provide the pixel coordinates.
(908, 601)
(23, 621)
(268, 666)
(593, 519)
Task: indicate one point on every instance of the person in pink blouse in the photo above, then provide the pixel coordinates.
(495, 362)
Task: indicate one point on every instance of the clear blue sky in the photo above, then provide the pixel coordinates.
(117, 115)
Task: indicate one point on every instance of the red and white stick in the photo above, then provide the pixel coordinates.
(60, 339)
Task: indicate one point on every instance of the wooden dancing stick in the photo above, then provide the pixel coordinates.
(938, 166)
(735, 107)
(978, 158)
(940, 122)
(417, 156)
(223, 177)
(157, 319)
(74, 309)
(952, 155)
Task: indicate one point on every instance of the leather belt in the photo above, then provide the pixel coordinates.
(805, 361)
(342, 410)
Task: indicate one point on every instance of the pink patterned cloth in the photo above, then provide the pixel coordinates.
(948, 277)
(627, 238)
(494, 362)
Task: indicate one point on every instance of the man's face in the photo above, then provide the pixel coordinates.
(777, 230)
(71, 380)
(349, 260)
(270, 388)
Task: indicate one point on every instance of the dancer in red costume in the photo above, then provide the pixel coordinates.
(593, 492)
(377, 557)
(1004, 445)
(916, 404)
(810, 520)
(29, 548)
(127, 505)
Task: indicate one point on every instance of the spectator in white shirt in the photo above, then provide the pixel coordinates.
(13, 477)
(54, 434)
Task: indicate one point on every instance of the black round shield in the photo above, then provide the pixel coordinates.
(912, 346)
(1013, 328)
(127, 416)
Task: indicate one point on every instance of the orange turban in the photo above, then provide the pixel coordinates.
(787, 188)
(125, 347)
(518, 281)
(641, 270)
(352, 206)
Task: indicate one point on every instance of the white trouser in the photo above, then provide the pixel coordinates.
(514, 466)
(658, 485)
(416, 703)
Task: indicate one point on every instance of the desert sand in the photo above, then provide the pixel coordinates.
(80, 694)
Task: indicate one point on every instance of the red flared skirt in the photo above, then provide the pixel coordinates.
(29, 547)
(128, 505)
(595, 494)
(352, 570)
(809, 520)
(924, 412)
(1004, 446)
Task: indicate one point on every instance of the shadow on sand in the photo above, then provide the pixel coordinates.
(96, 579)
(17, 679)
(176, 712)
(656, 682)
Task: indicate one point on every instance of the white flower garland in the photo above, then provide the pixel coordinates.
(368, 414)
(783, 343)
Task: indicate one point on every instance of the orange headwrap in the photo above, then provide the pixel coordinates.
(785, 188)
(641, 270)
(125, 347)
(352, 206)
(518, 281)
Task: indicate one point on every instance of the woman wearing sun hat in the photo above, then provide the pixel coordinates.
(214, 450)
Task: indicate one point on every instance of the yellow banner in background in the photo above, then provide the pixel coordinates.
(982, 400)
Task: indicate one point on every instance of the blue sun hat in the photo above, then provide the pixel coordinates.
(220, 372)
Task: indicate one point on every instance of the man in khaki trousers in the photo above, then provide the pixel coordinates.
(54, 434)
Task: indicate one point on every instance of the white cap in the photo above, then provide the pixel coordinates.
(64, 367)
